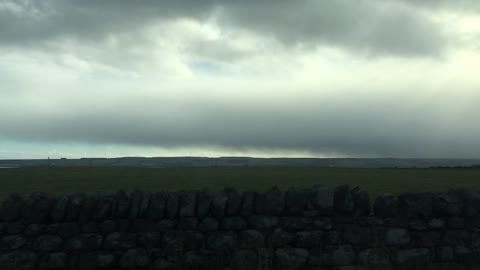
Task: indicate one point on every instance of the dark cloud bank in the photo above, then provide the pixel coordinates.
(371, 26)
(364, 126)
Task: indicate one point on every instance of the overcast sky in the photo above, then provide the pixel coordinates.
(336, 78)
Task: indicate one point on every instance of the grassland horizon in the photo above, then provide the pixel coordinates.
(68, 180)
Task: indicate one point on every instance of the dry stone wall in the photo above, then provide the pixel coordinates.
(301, 228)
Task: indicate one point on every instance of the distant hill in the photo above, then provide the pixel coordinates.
(165, 162)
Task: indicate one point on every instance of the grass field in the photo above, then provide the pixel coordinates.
(94, 179)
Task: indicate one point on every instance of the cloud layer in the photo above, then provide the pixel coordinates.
(374, 78)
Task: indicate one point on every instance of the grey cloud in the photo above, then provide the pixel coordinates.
(364, 126)
(372, 26)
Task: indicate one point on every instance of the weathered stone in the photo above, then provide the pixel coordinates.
(104, 208)
(119, 241)
(144, 225)
(444, 204)
(188, 223)
(158, 203)
(396, 222)
(134, 259)
(445, 254)
(245, 260)
(171, 242)
(48, 243)
(98, 260)
(322, 199)
(263, 222)
(280, 238)
(322, 224)
(74, 207)
(219, 241)
(86, 242)
(234, 201)
(343, 201)
(375, 258)
(456, 238)
(339, 255)
(418, 205)
(37, 208)
(386, 205)
(437, 223)
(162, 264)
(361, 201)
(188, 204)
(87, 213)
(475, 240)
(248, 203)
(172, 205)
(292, 258)
(16, 227)
(233, 224)
(471, 200)
(33, 230)
(397, 237)
(266, 258)
(309, 239)
(67, 230)
(191, 240)
(122, 204)
(11, 242)
(251, 239)
(198, 259)
(11, 208)
(89, 227)
(208, 224)
(54, 261)
(136, 198)
(456, 223)
(60, 208)
(333, 237)
(166, 225)
(271, 202)
(149, 240)
(18, 260)
(357, 235)
(205, 199)
(370, 221)
(426, 238)
(295, 223)
(218, 206)
(417, 258)
(296, 200)
(467, 256)
(417, 225)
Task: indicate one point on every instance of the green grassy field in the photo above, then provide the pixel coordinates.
(94, 179)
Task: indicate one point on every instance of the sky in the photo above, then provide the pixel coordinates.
(266, 78)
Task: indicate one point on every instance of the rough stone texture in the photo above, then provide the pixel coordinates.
(188, 204)
(416, 205)
(397, 237)
(295, 201)
(321, 199)
(386, 205)
(158, 203)
(302, 228)
(293, 258)
(218, 206)
(271, 202)
(343, 200)
(234, 201)
(11, 208)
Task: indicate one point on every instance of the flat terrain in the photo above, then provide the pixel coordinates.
(94, 179)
